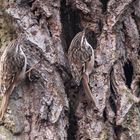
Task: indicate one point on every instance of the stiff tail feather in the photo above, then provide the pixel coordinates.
(5, 101)
(87, 89)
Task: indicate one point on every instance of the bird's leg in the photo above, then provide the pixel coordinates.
(29, 71)
(33, 67)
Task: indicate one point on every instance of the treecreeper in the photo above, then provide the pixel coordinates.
(81, 61)
(13, 64)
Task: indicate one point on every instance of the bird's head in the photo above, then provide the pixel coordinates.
(84, 41)
(15, 45)
(88, 38)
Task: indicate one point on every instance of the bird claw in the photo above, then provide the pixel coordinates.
(29, 71)
(33, 67)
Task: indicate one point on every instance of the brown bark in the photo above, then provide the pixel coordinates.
(48, 104)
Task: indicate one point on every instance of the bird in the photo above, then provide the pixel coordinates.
(13, 63)
(81, 61)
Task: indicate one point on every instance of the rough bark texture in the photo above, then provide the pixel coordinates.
(48, 104)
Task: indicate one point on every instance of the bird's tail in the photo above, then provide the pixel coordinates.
(87, 90)
(5, 101)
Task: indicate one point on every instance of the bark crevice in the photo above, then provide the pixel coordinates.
(128, 72)
(104, 5)
(70, 20)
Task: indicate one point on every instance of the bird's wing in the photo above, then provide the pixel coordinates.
(74, 57)
(9, 69)
(7, 72)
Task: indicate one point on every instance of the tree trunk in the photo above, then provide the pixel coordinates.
(48, 105)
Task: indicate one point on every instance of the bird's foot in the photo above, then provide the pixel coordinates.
(28, 72)
(33, 67)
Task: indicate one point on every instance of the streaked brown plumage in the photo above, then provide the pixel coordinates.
(12, 70)
(81, 60)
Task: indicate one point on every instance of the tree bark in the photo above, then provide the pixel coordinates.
(48, 104)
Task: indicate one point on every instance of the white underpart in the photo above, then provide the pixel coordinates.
(90, 64)
(22, 74)
(82, 39)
